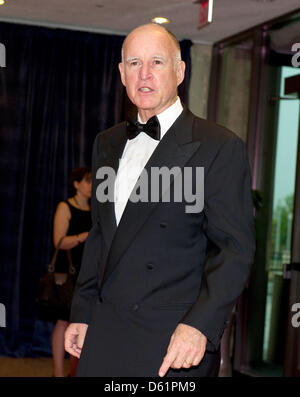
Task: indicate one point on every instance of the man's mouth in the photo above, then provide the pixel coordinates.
(145, 89)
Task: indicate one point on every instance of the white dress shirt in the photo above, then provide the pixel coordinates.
(135, 156)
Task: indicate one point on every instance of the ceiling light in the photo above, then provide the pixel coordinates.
(2, 2)
(160, 20)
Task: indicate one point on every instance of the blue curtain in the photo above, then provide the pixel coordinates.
(58, 90)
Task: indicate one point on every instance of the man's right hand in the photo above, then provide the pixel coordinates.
(74, 338)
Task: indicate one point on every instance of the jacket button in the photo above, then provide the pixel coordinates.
(163, 224)
(135, 308)
(150, 266)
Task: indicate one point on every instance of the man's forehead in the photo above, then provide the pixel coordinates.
(138, 52)
(149, 38)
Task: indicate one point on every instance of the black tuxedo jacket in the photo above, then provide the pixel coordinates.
(162, 266)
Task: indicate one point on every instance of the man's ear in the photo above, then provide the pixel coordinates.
(180, 72)
(121, 69)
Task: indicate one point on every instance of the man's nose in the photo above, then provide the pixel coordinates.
(145, 72)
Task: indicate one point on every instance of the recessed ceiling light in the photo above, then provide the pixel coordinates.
(2, 2)
(160, 20)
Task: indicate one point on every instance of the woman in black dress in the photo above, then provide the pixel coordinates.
(72, 221)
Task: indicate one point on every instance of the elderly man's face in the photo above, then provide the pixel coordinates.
(148, 71)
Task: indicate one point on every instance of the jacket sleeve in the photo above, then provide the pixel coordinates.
(86, 290)
(229, 227)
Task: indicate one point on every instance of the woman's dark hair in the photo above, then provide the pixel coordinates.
(78, 174)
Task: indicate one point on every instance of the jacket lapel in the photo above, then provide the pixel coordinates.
(174, 150)
(110, 154)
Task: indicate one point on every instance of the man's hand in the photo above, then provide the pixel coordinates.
(186, 349)
(74, 338)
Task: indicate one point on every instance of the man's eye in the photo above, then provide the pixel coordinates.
(134, 63)
(157, 62)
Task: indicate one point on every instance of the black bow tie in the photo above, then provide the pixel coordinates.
(152, 128)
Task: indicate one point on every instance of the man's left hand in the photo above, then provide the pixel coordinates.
(186, 349)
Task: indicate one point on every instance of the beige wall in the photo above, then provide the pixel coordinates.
(199, 83)
(234, 90)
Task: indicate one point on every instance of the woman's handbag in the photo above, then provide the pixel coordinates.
(55, 290)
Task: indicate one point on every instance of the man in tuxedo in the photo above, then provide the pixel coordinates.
(158, 282)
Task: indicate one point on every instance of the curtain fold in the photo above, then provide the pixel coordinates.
(58, 90)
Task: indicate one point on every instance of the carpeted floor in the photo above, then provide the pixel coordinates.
(28, 367)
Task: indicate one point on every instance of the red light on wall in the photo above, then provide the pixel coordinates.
(206, 10)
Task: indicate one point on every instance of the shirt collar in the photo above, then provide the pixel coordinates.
(168, 116)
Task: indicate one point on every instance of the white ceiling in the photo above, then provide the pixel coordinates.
(121, 16)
